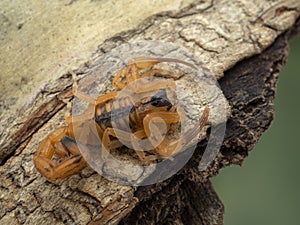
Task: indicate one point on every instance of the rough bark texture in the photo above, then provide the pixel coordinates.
(221, 36)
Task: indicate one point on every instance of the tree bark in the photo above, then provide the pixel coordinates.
(244, 45)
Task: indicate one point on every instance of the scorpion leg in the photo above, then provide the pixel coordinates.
(130, 73)
(89, 113)
(117, 80)
(82, 96)
(105, 98)
(106, 142)
(155, 133)
(158, 73)
(139, 150)
(169, 147)
(124, 136)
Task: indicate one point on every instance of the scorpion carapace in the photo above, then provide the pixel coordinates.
(120, 118)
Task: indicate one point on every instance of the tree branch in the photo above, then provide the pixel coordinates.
(244, 45)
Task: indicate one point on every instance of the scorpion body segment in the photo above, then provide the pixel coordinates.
(122, 111)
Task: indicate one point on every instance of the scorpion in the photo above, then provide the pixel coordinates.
(156, 101)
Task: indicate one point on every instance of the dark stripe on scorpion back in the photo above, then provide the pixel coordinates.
(160, 99)
(116, 114)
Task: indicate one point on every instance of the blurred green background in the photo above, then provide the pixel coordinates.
(266, 189)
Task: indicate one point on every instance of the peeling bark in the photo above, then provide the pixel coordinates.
(244, 45)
